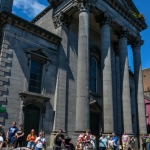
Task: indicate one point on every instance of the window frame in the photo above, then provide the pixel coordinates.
(40, 56)
(41, 80)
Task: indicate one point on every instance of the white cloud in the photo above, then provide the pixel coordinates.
(29, 7)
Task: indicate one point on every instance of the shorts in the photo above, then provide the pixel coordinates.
(30, 145)
(125, 144)
(12, 140)
(36, 148)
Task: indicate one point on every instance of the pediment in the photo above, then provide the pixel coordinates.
(37, 51)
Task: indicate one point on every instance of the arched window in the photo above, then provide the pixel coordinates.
(93, 75)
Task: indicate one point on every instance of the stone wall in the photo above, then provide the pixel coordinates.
(146, 81)
(46, 22)
(14, 75)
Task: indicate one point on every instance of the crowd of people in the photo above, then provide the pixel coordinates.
(14, 137)
(112, 142)
(86, 141)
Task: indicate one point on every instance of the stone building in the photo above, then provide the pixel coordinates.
(68, 68)
(146, 84)
(146, 81)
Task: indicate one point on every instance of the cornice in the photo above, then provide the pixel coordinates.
(139, 24)
(55, 3)
(70, 6)
(8, 18)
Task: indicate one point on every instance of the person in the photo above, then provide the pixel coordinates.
(110, 144)
(59, 140)
(1, 140)
(125, 141)
(40, 141)
(92, 141)
(19, 136)
(87, 140)
(2, 132)
(31, 138)
(132, 143)
(10, 136)
(143, 138)
(103, 142)
(80, 141)
(115, 139)
(148, 142)
(108, 137)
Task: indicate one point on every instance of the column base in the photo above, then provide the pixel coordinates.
(52, 139)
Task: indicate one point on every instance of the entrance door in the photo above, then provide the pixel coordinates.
(94, 126)
(31, 120)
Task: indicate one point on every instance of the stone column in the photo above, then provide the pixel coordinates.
(61, 23)
(82, 101)
(108, 123)
(124, 79)
(139, 93)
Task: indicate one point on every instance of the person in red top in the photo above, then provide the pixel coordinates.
(87, 140)
(80, 141)
(31, 138)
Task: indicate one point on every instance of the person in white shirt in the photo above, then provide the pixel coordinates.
(1, 140)
(125, 141)
(40, 141)
(110, 144)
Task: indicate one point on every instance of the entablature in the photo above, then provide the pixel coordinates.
(120, 16)
(9, 18)
(139, 23)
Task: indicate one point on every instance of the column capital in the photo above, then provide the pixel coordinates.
(123, 32)
(62, 19)
(104, 19)
(84, 5)
(137, 43)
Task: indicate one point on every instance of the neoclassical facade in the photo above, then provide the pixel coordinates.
(68, 68)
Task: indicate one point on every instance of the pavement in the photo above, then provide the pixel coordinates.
(19, 148)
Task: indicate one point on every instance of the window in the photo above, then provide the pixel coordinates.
(35, 76)
(93, 74)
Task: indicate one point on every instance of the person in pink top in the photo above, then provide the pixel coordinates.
(80, 141)
(125, 141)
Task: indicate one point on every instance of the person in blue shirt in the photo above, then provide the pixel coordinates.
(10, 136)
(115, 139)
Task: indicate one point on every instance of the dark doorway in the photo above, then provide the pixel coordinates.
(94, 126)
(31, 119)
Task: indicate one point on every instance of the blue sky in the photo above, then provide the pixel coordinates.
(28, 9)
(143, 7)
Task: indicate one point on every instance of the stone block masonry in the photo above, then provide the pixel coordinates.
(5, 62)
